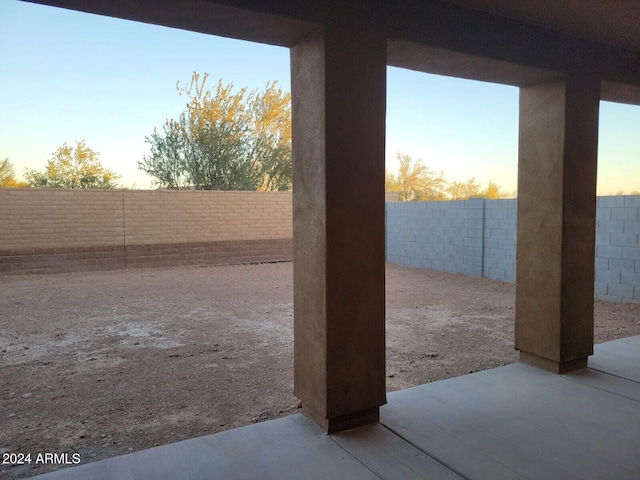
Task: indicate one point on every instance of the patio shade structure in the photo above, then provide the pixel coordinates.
(564, 56)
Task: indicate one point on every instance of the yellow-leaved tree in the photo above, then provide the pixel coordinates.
(471, 188)
(73, 167)
(224, 140)
(464, 190)
(8, 176)
(415, 181)
(494, 191)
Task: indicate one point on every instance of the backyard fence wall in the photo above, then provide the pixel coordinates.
(618, 249)
(478, 237)
(48, 230)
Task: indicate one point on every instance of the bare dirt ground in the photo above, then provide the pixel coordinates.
(103, 364)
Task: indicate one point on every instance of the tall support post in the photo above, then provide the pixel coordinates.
(556, 222)
(338, 112)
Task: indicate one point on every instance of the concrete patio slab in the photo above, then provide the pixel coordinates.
(521, 422)
(291, 447)
(618, 357)
(513, 422)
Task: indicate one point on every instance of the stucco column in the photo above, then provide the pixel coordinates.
(556, 222)
(338, 108)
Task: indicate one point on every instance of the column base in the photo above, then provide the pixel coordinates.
(343, 422)
(552, 366)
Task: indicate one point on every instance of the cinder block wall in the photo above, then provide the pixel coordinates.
(474, 237)
(35, 218)
(500, 239)
(439, 235)
(618, 249)
(47, 230)
(478, 237)
(170, 216)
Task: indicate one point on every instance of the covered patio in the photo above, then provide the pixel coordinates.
(521, 421)
(513, 422)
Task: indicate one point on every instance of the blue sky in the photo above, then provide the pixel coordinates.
(69, 76)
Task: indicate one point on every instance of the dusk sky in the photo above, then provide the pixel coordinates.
(69, 76)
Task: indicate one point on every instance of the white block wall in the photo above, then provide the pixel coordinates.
(478, 237)
(618, 249)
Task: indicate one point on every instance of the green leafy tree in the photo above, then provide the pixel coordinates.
(73, 167)
(8, 176)
(415, 181)
(169, 156)
(224, 140)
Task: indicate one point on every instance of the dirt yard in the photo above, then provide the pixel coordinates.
(103, 364)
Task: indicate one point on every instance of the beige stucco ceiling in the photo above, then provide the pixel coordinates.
(615, 22)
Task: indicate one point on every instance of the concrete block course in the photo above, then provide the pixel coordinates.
(603, 239)
(611, 201)
(607, 251)
(498, 213)
(494, 235)
(619, 265)
(632, 201)
(632, 227)
(506, 244)
(613, 226)
(620, 290)
(624, 213)
(631, 279)
(498, 233)
(631, 253)
(610, 277)
(601, 288)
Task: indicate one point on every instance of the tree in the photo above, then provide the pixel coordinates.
(494, 191)
(471, 188)
(73, 167)
(8, 176)
(168, 159)
(271, 145)
(464, 190)
(224, 140)
(415, 181)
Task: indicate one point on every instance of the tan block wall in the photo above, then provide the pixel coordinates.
(169, 216)
(49, 218)
(47, 230)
